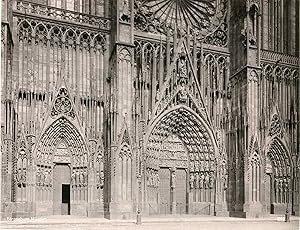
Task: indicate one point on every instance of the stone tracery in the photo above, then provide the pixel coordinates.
(54, 43)
(203, 17)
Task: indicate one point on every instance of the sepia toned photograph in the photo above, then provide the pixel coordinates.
(150, 114)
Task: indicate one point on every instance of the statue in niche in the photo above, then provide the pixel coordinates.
(81, 179)
(50, 178)
(206, 154)
(81, 159)
(192, 166)
(225, 181)
(276, 182)
(147, 177)
(183, 96)
(201, 180)
(77, 177)
(151, 178)
(182, 66)
(192, 180)
(125, 11)
(280, 184)
(85, 178)
(98, 179)
(182, 78)
(101, 179)
(197, 180)
(84, 159)
(206, 167)
(286, 184)
(157, 180)
(206, 180)
(38, 176)
(201, 166)
(197, 166)
(173, 178)
(47, 177)
(211, 180)
(19, 177)
(73, 177)
(42, 176)
(212, 165)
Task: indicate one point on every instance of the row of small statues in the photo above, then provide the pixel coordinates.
(47, 158)
(152, 178)
(79, 177)
(202, 180)
(20, 177)
(44, 157)
(202, 166)
(44, 177)
(282, 184)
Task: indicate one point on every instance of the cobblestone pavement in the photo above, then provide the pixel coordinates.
(180, 223)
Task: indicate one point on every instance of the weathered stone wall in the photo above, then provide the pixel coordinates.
(103, 85)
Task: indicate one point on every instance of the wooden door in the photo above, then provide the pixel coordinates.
(180, 191)
(164, 191)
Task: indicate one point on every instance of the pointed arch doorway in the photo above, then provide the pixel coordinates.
(180, 164)
(279, 178)
(61, 170)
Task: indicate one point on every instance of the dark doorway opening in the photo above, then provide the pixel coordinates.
(65, 199)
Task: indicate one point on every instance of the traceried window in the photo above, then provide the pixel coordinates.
(280, 25)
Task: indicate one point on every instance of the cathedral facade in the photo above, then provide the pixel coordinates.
(113, 108)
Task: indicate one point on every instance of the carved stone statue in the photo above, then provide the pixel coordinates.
(225, 181)
(201, 181)
(211, 180)
(192, 180)
(77, 177)
(197, 180)
(206, 180)
(125, 15)
(152, 178)
(81, 177)
(47, 179)
(73, 177)
(206, 167)
(101, 178)
(147, 177)
(173, 178)
(85, 178)
(280, 184)
(182, 67)
(38, 176)
(157, 179)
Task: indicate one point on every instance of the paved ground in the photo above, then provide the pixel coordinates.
(154, 223)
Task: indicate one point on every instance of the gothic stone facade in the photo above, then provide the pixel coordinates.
(109, 108)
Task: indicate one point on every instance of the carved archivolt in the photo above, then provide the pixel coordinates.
(281, 169)
(61, 143)
(180, 140)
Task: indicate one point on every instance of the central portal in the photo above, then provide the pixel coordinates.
(180, 164)
(61, 189)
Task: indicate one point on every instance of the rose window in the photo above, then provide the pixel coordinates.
(201, 16)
